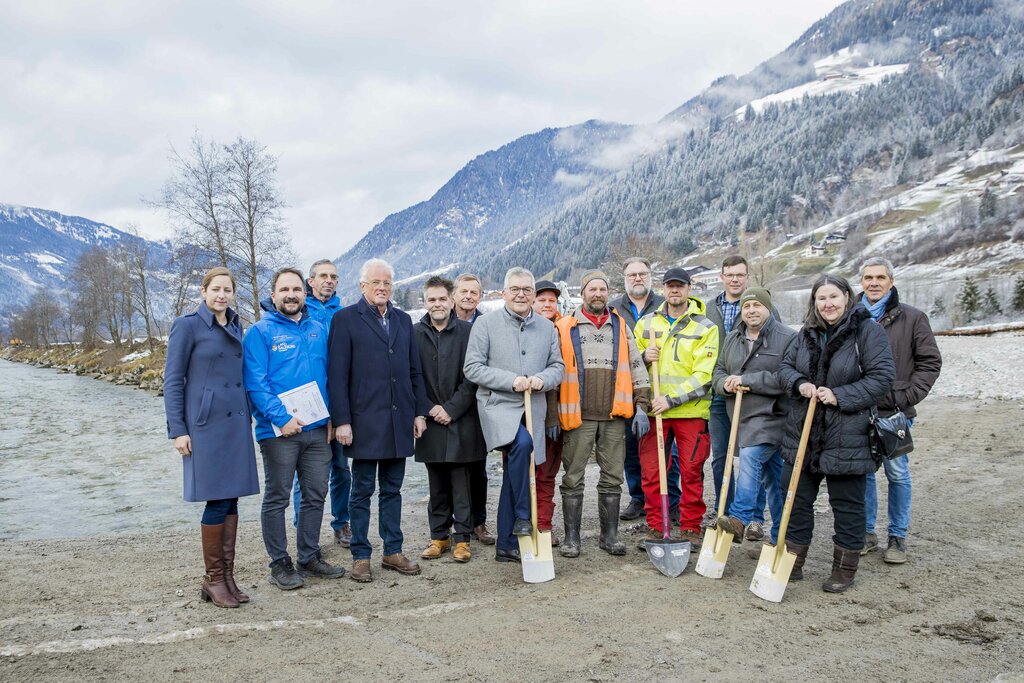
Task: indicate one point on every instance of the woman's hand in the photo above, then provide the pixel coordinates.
(826, 396)
(807, 389)
(183, 444)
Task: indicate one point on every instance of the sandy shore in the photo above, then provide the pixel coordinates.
(126, 606)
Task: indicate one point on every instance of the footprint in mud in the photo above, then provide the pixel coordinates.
(972, 631)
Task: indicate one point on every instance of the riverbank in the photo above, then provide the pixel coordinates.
(131, 365)
(125, 607)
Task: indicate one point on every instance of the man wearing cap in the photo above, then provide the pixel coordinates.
(546, 305)
(750, 357)
(605, 384)
(724, 311)
(683, 352)
(638, 300)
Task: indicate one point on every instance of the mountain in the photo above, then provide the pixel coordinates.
(39, 248)
(876, 99)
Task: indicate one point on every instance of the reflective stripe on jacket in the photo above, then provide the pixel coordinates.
(570, 414)
(689, 349)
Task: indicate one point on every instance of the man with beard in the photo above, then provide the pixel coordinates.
(639, 300)
(285, 350)
(605, 384)
(453, 439)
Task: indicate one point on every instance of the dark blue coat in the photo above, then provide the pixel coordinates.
(374, 381)
(204, 398)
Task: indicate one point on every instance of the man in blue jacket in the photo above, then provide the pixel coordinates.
(322, 303)
(285, 350)
(378, 405)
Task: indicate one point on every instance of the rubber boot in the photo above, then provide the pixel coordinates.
(572, 513)
(798, 564)
(230, 531)
(608, 513)
(844, 566)
(214, 589)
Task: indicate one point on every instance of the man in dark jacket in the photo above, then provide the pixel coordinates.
(637, 301)
(750, 357)
(453, 438)
(379, 407)
(918, 363)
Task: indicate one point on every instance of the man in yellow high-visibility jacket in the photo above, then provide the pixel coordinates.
(684, 352)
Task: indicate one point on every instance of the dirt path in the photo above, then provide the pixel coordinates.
(126, 607)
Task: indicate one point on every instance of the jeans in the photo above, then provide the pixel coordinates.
(759, 473)
(845, 497)
(216, 511)
(514, 501)
(390, 474)
(719, 425)
(340, 489)
(306, 454)
(634, 478)
(897, 471)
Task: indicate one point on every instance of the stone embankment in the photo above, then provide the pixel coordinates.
(135, 365)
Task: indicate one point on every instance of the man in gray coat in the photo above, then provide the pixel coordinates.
(750, 357)
(510, 351)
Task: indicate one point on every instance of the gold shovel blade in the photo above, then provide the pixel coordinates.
(537, 558)
(714, 553)
(772, 574)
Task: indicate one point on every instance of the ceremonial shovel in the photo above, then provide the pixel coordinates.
(714, 551)
(535, 549)
(776, 562)
(668, 557)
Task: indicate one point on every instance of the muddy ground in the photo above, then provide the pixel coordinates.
(126, 607)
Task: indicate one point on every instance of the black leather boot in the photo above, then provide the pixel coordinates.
(572, 513)
(844, 566)
(608, 513)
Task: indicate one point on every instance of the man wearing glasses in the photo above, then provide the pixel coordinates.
(378, 404)
(510, 351)
(639, 300)
(724, 312)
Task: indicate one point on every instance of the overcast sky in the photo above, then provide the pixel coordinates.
(370, 107)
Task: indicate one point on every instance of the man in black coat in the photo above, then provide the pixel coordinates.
(453, 439)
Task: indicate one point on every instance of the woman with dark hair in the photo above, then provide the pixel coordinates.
(843, 358)
(208, 418)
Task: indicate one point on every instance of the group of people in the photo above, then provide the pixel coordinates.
(455, 385)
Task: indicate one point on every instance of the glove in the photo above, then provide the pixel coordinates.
(641, 425)
(553, 432)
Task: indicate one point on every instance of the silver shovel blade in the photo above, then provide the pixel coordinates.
(669, 557)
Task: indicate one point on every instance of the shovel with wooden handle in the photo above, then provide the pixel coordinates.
(668, 557)
(776, 562)
(535, 550)
(714, 551)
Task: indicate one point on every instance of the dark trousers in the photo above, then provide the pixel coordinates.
(845, 496)
(366, 474)
(514, 502)
(478, 491)
(307, 455)
(719, 426)
(634, 478)
(449, 498)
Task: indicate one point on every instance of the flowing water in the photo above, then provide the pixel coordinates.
(79, 457)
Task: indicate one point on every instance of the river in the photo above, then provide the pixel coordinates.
(80, 456)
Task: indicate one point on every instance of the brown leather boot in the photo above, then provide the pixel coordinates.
(361, 571)
(844, 566)
(401, 564)
(801, 556)
(230, 531)
(214, 589)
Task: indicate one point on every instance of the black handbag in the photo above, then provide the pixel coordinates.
(890, 436)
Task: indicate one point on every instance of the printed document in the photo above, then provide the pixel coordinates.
(306, 403)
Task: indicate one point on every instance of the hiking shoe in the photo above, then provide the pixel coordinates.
(710, 517)
(870, 544)
(436, 549)
(343, 536)
(635, 510)
(651, 535)
(731, 525)
(324, 570)
(673, 516)
(896, 553)
(755, 531)
(693, 536)
(361, 571)
(283, 575)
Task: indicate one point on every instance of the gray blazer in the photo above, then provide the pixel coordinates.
(765, 407)
(502, 347)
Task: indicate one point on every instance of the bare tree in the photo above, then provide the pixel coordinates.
(101, 298)
(755, 249)
(136, 257)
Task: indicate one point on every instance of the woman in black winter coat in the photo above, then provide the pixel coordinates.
(842, 357)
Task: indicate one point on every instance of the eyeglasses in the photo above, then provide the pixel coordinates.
(734, 276)
(386, 284)
(516, 291)
(637, 276)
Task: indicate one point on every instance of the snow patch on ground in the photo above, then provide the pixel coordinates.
(135, 356)
(969, 373)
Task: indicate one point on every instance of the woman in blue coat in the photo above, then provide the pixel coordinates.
(208, 418)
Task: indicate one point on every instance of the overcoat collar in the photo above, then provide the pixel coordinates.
(371, 316)
(234, 326)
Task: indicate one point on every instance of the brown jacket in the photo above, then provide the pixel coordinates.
(917, 356)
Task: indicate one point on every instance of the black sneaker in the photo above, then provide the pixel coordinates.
(283, 575)
(317, 567)
(522, 527)
(635, 510)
